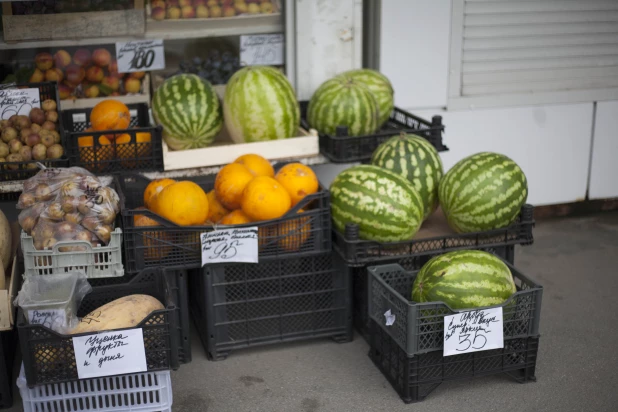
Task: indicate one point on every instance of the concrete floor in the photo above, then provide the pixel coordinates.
(575, 259)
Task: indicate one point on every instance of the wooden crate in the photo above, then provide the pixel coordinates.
(84, 103)
(113, 23)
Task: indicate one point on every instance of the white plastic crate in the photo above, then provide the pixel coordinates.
(99, 262)
(144, 392)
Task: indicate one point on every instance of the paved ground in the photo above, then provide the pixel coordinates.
(575, 259)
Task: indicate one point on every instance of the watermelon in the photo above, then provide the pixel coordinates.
(484, 191)
(384, 205)
(259, 105)
(464, 279)
(343, 101)
(380, 86)
(415, 159)
(188, 109)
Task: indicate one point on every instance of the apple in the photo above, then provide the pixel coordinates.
(64, 91)
(215, 11)
(187, 12)
(137, 75)
(44, 61)
(94, 74)
(92, 91)
(158, 13)
(101, 57)
(212, 3)
(157, 3)
(54, 75)
(112, 82)
(81, 57)
(113, 68)
(173, 13)
(172, 3)
(62, 59)
(227, 3)
(184, 3)
(201, 12)
(74, 74)
(253, 8)
(37, 76)
(266, 8)
(197, 3)
(241, 7)
(132, 85)
(229, 12)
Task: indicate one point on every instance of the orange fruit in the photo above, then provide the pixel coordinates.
(216, 211)
(258, 165)
(230, 183)
(183, 203)
(235, 217)
(299, 180)
(264, 198)
(110, 114)
(125, 150)
(154, 188)
(155, 241)
(294, 233)
(95, 159)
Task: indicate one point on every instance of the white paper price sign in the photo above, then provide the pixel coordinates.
(266, 49)
(48, 317)
(110, 353)
(140, 55)
(18, 101)
(473, 331)
(230, 245)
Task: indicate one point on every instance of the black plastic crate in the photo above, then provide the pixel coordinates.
(8, 354)
(133, 155)
(419, 327)
(415, 377)
(49, 357)
(25, 170)
(280, 300)
(358, 252)
(360, 289)
(342, 148)
(173, 246)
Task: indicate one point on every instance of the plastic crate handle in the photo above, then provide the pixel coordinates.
(65, 243)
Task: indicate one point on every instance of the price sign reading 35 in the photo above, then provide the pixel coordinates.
(473, 331)
(140, 55)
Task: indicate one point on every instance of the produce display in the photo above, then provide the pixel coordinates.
(381, 88)
(464, 279)
(217, 67)
(32, 137)
(385, 206)
(415, 159)
(188, 109)
(484, 191)
(203, 9)
(259, 105)
(67, 204)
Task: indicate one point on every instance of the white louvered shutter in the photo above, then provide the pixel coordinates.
(533, 51)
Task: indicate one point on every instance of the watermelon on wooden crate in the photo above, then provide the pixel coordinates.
(381, 88)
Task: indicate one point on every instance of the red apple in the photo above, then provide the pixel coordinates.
(37, 76)
(201, 12)
(184, 3)
(212, 3)
(62, 59)
(215, 11)
(157, 3)
(101, 57)
(197, 3)
(173, 13)
(91, 91)
(172, 3)
(158, 13)
(44, 61)
(112, 82)
(64, 91)
(82, 57)
(227, 3)
(94, 74)
(113, 68)
(187, 12)
(74, 74)
(54, 75)
(137, 75)
(132, 85)
(229, 11)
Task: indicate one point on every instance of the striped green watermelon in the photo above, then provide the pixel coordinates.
(415, 159)
(384, 205)
(464, 279)
(343, 101)
(188, 109)
(484, 191)
(260, 105)
(380, 86)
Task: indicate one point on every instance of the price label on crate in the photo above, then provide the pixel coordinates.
(140, 55)
(18, 101)
(473, 331)
(110, 353)
(264, 49)
(49, 318)
(230, 245)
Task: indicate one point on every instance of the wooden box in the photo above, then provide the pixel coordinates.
(113, 23)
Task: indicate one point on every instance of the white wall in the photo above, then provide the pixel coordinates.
(604, 168)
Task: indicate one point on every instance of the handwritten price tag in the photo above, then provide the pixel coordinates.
(230, 245)
(140, 55)
(473, 331)
(18, 102)
(264, 49)
(110, 353)
(48, 317)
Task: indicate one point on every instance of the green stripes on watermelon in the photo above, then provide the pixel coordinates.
(464, 279)
(343, 101)
(415, 159)
(484, 191)
(188, 109)
(259, 105)
(380, 86)
(384, 205)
